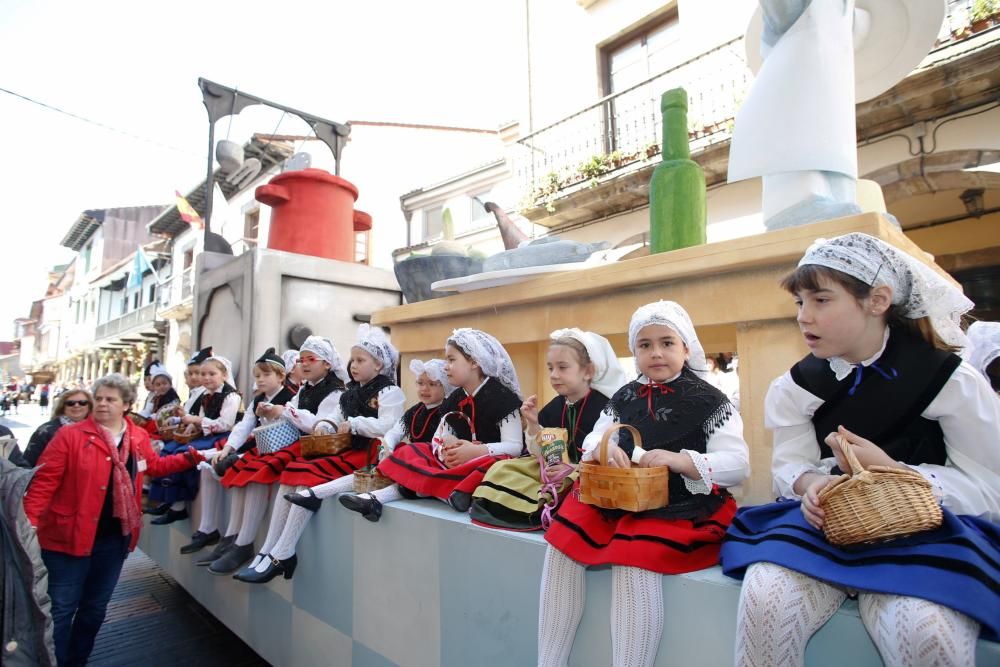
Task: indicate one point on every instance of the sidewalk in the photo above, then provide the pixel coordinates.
(153, 621)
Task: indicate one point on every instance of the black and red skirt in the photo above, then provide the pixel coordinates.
(415, 467)
(592, 536)
(256, 468)
(311, 472)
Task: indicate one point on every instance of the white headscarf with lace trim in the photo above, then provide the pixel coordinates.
(157, 370)
(375, 342)
(673, 315)
(290, 357)
(984, 345)
(917, 290)
(228, 365)
(489, 354)
(608, 373)
(434, 368)
(323, 348)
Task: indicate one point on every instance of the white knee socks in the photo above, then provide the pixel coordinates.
(278, 516)
(560, 607)
(237, 498)
(779, 611)
(339, 485)
(254, 507)
(636, 616)
(915, 632)
(209, 497)
(388, 494)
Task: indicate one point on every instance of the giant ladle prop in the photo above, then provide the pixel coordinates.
(222, 101)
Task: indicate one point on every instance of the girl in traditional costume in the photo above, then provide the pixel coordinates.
(687, 425)
(522, 494)
(882, 376)
(453, 463)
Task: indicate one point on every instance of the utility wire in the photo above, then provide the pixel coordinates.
(101, 125)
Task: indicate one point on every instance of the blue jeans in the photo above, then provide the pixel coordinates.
(80, 588)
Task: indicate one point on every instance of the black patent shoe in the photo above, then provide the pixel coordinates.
(170, 517)
(406, 493)
(234, 558)
(369, 508)
(158, 510)
(310, 502)
(199, 541)
(220, 550)
(460, 501)
(274, 568)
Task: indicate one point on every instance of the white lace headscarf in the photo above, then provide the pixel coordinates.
(290, 357)
(375, 342)
(434, 368)
(491, 356)
(323, 348)
(673, 315)
(228, 365)
(156, 370)
(984, 345)
(917, 290)
(608, 373)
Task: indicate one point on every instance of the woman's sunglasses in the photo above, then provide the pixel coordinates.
(79, 404)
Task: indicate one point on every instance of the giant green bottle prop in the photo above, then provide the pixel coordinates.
(677, 210)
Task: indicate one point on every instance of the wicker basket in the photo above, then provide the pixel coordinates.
(877, 504)
(167, 433)
(275, 436)
(186, 434)
(327, 444)
(634, 489)
(368, 480)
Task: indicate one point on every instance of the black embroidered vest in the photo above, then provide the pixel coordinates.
(554, 415)
(361, 400)
(159, 402)
(420, 423)
(494, 405)
(682, 414)
(311, 395)
(885, 411)
(212, 408)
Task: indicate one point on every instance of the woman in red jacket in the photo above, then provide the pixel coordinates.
(84, 502)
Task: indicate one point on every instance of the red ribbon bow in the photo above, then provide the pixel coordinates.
(468, 401)
(646, 391)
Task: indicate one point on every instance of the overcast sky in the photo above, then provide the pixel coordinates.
(134, 66)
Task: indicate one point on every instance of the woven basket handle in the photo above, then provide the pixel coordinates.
(325, 421)
(852, 459)
(602, 450)
(459, 413)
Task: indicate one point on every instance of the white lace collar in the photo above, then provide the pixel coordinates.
(842, 368)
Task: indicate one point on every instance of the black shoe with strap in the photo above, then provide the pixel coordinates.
(235, 557)
(310, 502)
(170, 517)
(220, 550)
(200, 540)
(274, 568)
(369, 508)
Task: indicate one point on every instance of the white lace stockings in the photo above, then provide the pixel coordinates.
(560, 607)
(209, 499)
(237, 503)
(254, 508)
(912, 631)
(340, 485)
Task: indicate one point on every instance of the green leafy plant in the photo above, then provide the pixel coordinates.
(984, 9)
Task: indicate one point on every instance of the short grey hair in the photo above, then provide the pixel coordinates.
(117, 382)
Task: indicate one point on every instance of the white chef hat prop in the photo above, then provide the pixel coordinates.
(984, 345)
(290, 357)
(323, 348)
(434, 368)
(491, 356)
(673, 315)
(375, 342)
(228, 365)
(157, 370)
(917, 290)
(608, 373)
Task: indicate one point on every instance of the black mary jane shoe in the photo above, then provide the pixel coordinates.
(310, 502)
(369, 508)
(274, 568)
(158, 510)
(460, 501)
(220, 550)
(200, 540)
(170, 517)
(232, 560)
(406, 493)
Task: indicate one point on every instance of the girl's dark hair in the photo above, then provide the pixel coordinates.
(582, 356)
(811, 277)
(454, 344)
(268, 367)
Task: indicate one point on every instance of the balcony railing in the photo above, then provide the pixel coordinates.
(625, 128)
(177, 288)
(127, 322)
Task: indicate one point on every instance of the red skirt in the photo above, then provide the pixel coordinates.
(256, 468)
(667, 546)
(151, 428)
(415, 467)
(310, 472)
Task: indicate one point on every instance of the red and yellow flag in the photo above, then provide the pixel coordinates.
(187, 212)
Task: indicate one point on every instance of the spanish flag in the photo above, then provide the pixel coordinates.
(187, 212)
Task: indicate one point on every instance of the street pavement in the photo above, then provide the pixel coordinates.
(24, 422)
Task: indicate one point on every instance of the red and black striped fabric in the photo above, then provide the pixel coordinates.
(668, 546)
(256, 468)
(416, 468)
(310, 472)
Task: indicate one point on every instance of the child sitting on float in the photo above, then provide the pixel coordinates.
(366, 410)
(520, 494)
(453, 463)
(192, 378)
(687, 425)
(163, 399)
(269, 377)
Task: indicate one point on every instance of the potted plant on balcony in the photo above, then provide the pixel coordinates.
(984, 14)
